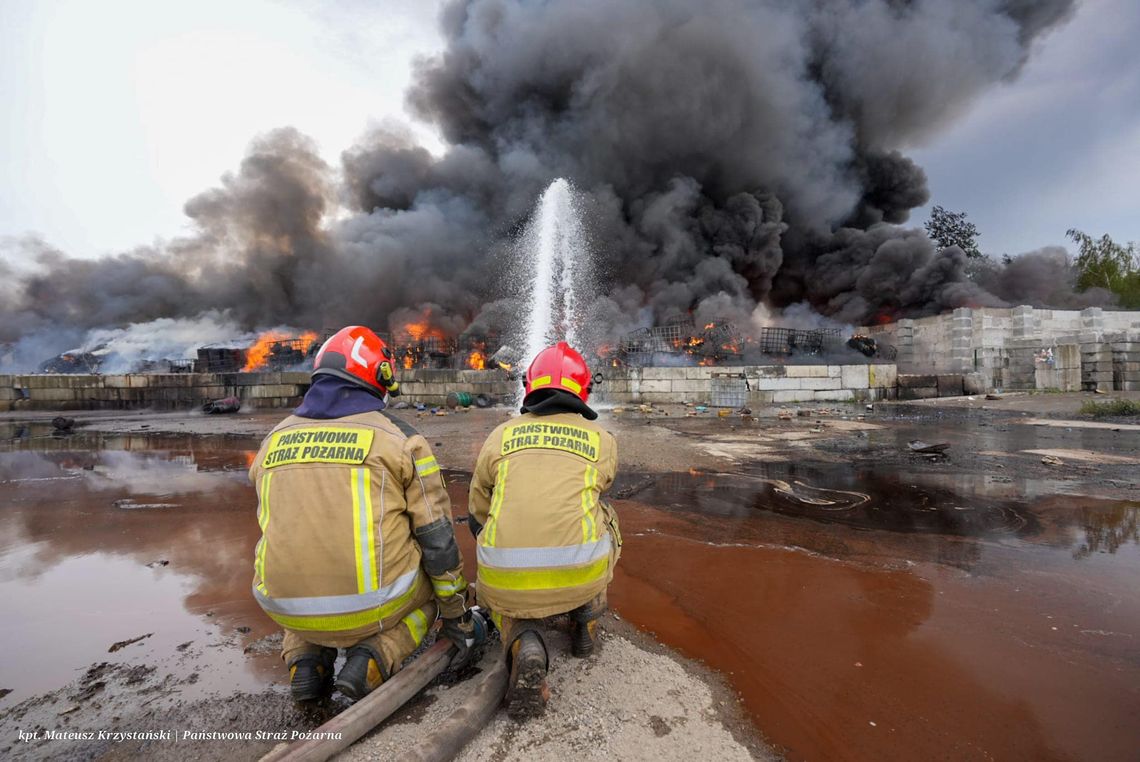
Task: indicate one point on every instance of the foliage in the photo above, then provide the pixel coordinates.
(952, 229)
(1104, 263)
(1111, 409)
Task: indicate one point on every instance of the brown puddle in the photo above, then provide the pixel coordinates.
(888, 618)
(108, 538)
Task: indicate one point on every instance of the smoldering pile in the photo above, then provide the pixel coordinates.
(729, 154)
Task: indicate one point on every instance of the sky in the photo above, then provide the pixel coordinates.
(117, 112)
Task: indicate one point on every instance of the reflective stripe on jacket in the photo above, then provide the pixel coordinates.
(356, 527)
(548, 542)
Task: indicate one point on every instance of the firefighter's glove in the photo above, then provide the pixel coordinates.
(461, 632)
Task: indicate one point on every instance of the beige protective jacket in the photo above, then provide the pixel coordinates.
(548, 542)
(356, 528)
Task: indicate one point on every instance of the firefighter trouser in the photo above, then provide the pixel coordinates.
(394, 645)
(510, 628)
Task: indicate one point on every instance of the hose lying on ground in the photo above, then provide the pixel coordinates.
(370, 711)
(445, 740)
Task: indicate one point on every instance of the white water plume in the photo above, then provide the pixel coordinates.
(556, 262)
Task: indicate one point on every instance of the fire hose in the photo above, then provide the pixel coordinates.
(443, 743)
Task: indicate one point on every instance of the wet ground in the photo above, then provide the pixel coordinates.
(867, 603)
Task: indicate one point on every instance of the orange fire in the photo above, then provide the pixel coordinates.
(409, 361)
(422, 330)
(476, 360)
(257, 356)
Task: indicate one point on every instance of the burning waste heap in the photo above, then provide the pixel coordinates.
(726, 157)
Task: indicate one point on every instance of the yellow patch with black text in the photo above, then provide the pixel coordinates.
(318, 444)
(552, 436)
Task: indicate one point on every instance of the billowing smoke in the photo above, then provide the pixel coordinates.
(729, 154)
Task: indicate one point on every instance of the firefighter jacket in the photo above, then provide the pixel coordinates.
(356, 528)
(548, 543)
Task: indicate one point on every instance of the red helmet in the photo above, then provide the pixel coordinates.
(358, 355)
(559, 367)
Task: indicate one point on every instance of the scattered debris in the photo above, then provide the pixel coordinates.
(222, 406)
(994, 397)
(124, 643)
(157, 564)
(924, 448)
(1052, 460)
(243, 629)
(63, 425)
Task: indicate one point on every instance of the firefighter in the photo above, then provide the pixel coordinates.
(546, 542)
(357, 549)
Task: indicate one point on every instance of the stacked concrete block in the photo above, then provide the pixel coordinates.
(1062, 372)
(917, 386)
(1020, 371)
(1126, 363)
(961, 341)
(1096, 366)
(904, 342)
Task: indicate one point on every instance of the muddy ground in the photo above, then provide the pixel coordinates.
(854, 599)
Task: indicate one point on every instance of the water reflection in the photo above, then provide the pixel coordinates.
(1107, 529)
(85, 526)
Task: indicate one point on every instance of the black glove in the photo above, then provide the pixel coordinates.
(461, 632)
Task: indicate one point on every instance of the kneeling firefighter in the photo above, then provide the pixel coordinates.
(357, 549)
(546, 542)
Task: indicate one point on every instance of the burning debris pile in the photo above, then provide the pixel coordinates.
(681, 342)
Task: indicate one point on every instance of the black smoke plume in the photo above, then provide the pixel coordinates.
(728, 153)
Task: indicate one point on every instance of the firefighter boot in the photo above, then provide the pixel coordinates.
(311, 675)
(582, 637)
(527, 691)
(362, 673)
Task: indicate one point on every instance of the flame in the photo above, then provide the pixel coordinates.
(257, 356)
(409, 361)
(505, 366)
(422, 330)
(249, 456)
(476, 360)
(710, 326)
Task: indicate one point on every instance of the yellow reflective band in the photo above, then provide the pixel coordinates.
(542, 579)
(367, 575)
(491, 531)
(589, 526)
(318, 444)
(552, 436)
(498, 620)
(337, 622)
(417, 625)
(572, 385)
(263, 522)
(447, 588)
(427, 466)
(540, 381)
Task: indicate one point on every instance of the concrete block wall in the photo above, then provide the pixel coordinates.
(157, 390)
(431, 387)
(758, 385)
(190, 390)
(1001, 344)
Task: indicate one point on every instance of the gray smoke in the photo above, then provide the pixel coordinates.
(728, 153)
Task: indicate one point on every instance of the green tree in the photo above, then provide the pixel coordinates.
(953, 229)
(1104, 263)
